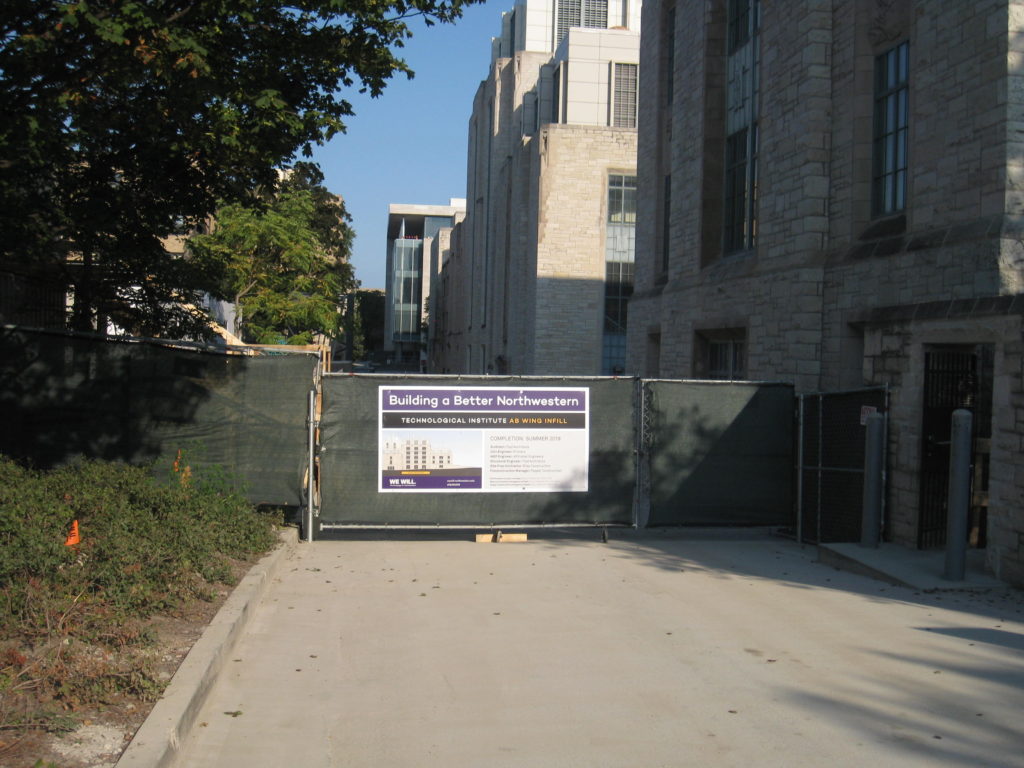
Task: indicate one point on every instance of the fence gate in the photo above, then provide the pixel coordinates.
(955, 377)
(476, 452)
(718, 452)
(504, 452)
(830, 463)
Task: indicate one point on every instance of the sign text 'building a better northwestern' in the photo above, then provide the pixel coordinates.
(515, 439)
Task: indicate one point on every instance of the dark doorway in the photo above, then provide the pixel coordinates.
(955, 377)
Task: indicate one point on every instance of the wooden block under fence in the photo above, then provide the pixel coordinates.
(503, 538)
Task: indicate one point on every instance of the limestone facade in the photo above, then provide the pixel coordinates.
(840, 286)
(523, 289)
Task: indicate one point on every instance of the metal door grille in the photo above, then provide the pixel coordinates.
(955, 377)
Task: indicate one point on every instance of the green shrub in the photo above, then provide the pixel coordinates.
(145, 546)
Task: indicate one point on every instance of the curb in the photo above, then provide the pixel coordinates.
(841, 562)
(160, 737)
(913, 569)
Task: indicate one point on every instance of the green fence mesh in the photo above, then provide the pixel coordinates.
(709, 453)
(720, 453)
(350, 476)
(64, 397)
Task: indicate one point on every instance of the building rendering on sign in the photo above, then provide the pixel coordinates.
(540, 271)
(830, 195)
(414, 234)
(413, 454)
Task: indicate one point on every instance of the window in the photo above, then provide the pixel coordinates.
(618, 287)
(556, 92)
(741, 189)
(613, 354)
(739, 211)
(727, 360)
(595, 14)
(567, 15)
(892, 113)
(579, 13)
(620, 250)
(624, 85)
(721, 354)
(740, 16)
(666, 222)
(670, 54)
(406, 288)
(621, 199)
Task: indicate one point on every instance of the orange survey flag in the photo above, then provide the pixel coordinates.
(73, 537)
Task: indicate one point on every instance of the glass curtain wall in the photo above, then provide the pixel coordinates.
(407, 287)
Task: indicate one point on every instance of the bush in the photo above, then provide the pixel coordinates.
(145, 546)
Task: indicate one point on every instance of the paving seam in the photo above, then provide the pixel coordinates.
(158, 741)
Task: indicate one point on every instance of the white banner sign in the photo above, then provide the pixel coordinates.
(484, 439)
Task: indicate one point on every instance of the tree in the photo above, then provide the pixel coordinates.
(126, 121)
(283, 262)
(371, 307)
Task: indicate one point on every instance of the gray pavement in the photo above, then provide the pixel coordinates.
(903, 567)
(660, 648)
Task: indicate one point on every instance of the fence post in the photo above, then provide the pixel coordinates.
(311, 485)
(800, 470)
(874, 450)
(959, 495)
(642, 491)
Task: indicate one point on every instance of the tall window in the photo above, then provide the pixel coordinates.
(556, 91)
(741, 189)
(406, 287)
(624, 86)
(666, 223)
(663, 197)
(743, 64)
(892, 113)
(670, 54)
(740, 12)
(579, 13)
(567, 15)
(595, 14)
(620, 250)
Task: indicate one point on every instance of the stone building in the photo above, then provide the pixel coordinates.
(541, 269)
(830, 194)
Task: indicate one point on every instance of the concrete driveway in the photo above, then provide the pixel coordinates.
(692, 648)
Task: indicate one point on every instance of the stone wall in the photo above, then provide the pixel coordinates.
(832, 298)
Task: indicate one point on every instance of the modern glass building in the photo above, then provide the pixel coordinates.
(412, 230)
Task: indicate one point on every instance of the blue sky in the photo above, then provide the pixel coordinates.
(409, 145)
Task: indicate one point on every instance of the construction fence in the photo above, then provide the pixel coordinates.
(434, 451)
(66, 396)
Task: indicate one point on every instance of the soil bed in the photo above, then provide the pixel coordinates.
(104, 731)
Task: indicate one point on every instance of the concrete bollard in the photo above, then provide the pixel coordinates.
(958, 505)
(874, 467)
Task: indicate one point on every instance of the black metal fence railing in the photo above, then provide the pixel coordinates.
(830, 463)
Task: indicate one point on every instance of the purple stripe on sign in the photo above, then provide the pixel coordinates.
(430, 482)
(493, 399)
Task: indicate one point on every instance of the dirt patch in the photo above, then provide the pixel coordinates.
(104, 731)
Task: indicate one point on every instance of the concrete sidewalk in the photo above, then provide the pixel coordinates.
(904, 567)
(660, 648)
